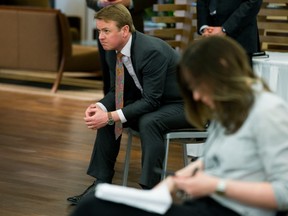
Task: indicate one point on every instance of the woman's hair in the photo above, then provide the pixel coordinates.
(222, 64)
(118, 13)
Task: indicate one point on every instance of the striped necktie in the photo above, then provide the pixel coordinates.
(119, 91)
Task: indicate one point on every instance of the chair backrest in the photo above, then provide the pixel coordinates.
(179, 27)
(273, 25)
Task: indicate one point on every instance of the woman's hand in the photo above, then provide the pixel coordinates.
(189, 170)
(194, 184)
(198, 185)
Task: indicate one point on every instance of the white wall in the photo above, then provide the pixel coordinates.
(77, 8)
(91, 24)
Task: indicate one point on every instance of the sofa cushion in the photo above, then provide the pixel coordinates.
(39, 44)
(84, 58)
(8, 39)
(29, 39)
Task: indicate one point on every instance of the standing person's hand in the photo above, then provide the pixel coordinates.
(213, 31)
(104, 3)
(218, 31)
(124, 2)
(207, 31)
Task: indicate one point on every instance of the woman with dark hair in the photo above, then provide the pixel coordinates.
(244, 169)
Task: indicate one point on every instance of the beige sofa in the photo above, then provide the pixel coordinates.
(35, 3)
(38, 40)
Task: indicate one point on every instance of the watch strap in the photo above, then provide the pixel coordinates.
(110, 119)
(221, 187)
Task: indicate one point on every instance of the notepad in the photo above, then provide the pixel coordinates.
(157, 200)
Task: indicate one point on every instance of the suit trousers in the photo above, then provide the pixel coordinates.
(152, 128)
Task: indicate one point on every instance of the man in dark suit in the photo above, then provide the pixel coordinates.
(136, 8)
(152, 102)
(236, 19)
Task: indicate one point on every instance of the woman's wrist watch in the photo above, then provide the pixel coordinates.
(221, 187)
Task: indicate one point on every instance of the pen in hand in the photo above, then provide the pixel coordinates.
(170, 173)
(195, 171)
(162, 172)
(181, 193)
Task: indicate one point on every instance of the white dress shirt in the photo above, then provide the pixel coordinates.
(126, 59)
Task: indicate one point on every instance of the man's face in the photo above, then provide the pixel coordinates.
(110, 36)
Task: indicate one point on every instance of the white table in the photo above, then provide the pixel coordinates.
(274, 70)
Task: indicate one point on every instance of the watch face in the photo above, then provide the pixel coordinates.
(110, 119)
(110, 122)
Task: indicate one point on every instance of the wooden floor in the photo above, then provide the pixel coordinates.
(45, 149)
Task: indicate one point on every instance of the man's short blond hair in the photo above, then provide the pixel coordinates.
(118, 13)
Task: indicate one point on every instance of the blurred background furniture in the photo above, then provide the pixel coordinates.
(178, 23)
(274, 70)
(273, 32)
(36, 3)
(74, 21)
(273, 25)
(35, 41)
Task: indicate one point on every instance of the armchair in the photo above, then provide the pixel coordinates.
(36, 42)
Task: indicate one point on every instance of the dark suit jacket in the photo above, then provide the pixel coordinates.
(238, 17)
(137, 12)
(155, 64)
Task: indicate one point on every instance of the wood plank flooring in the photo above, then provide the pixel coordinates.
(45, 149)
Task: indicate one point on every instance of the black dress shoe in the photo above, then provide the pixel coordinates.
(75, 199)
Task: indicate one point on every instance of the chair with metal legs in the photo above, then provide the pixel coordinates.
(190, 134)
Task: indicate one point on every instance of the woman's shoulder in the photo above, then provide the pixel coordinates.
(269, 107)
(266, 100)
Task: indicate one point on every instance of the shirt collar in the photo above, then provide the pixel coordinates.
(126, 51)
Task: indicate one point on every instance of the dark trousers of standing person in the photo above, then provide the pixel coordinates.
(91, 206)
(250, 59)
(152, 127)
